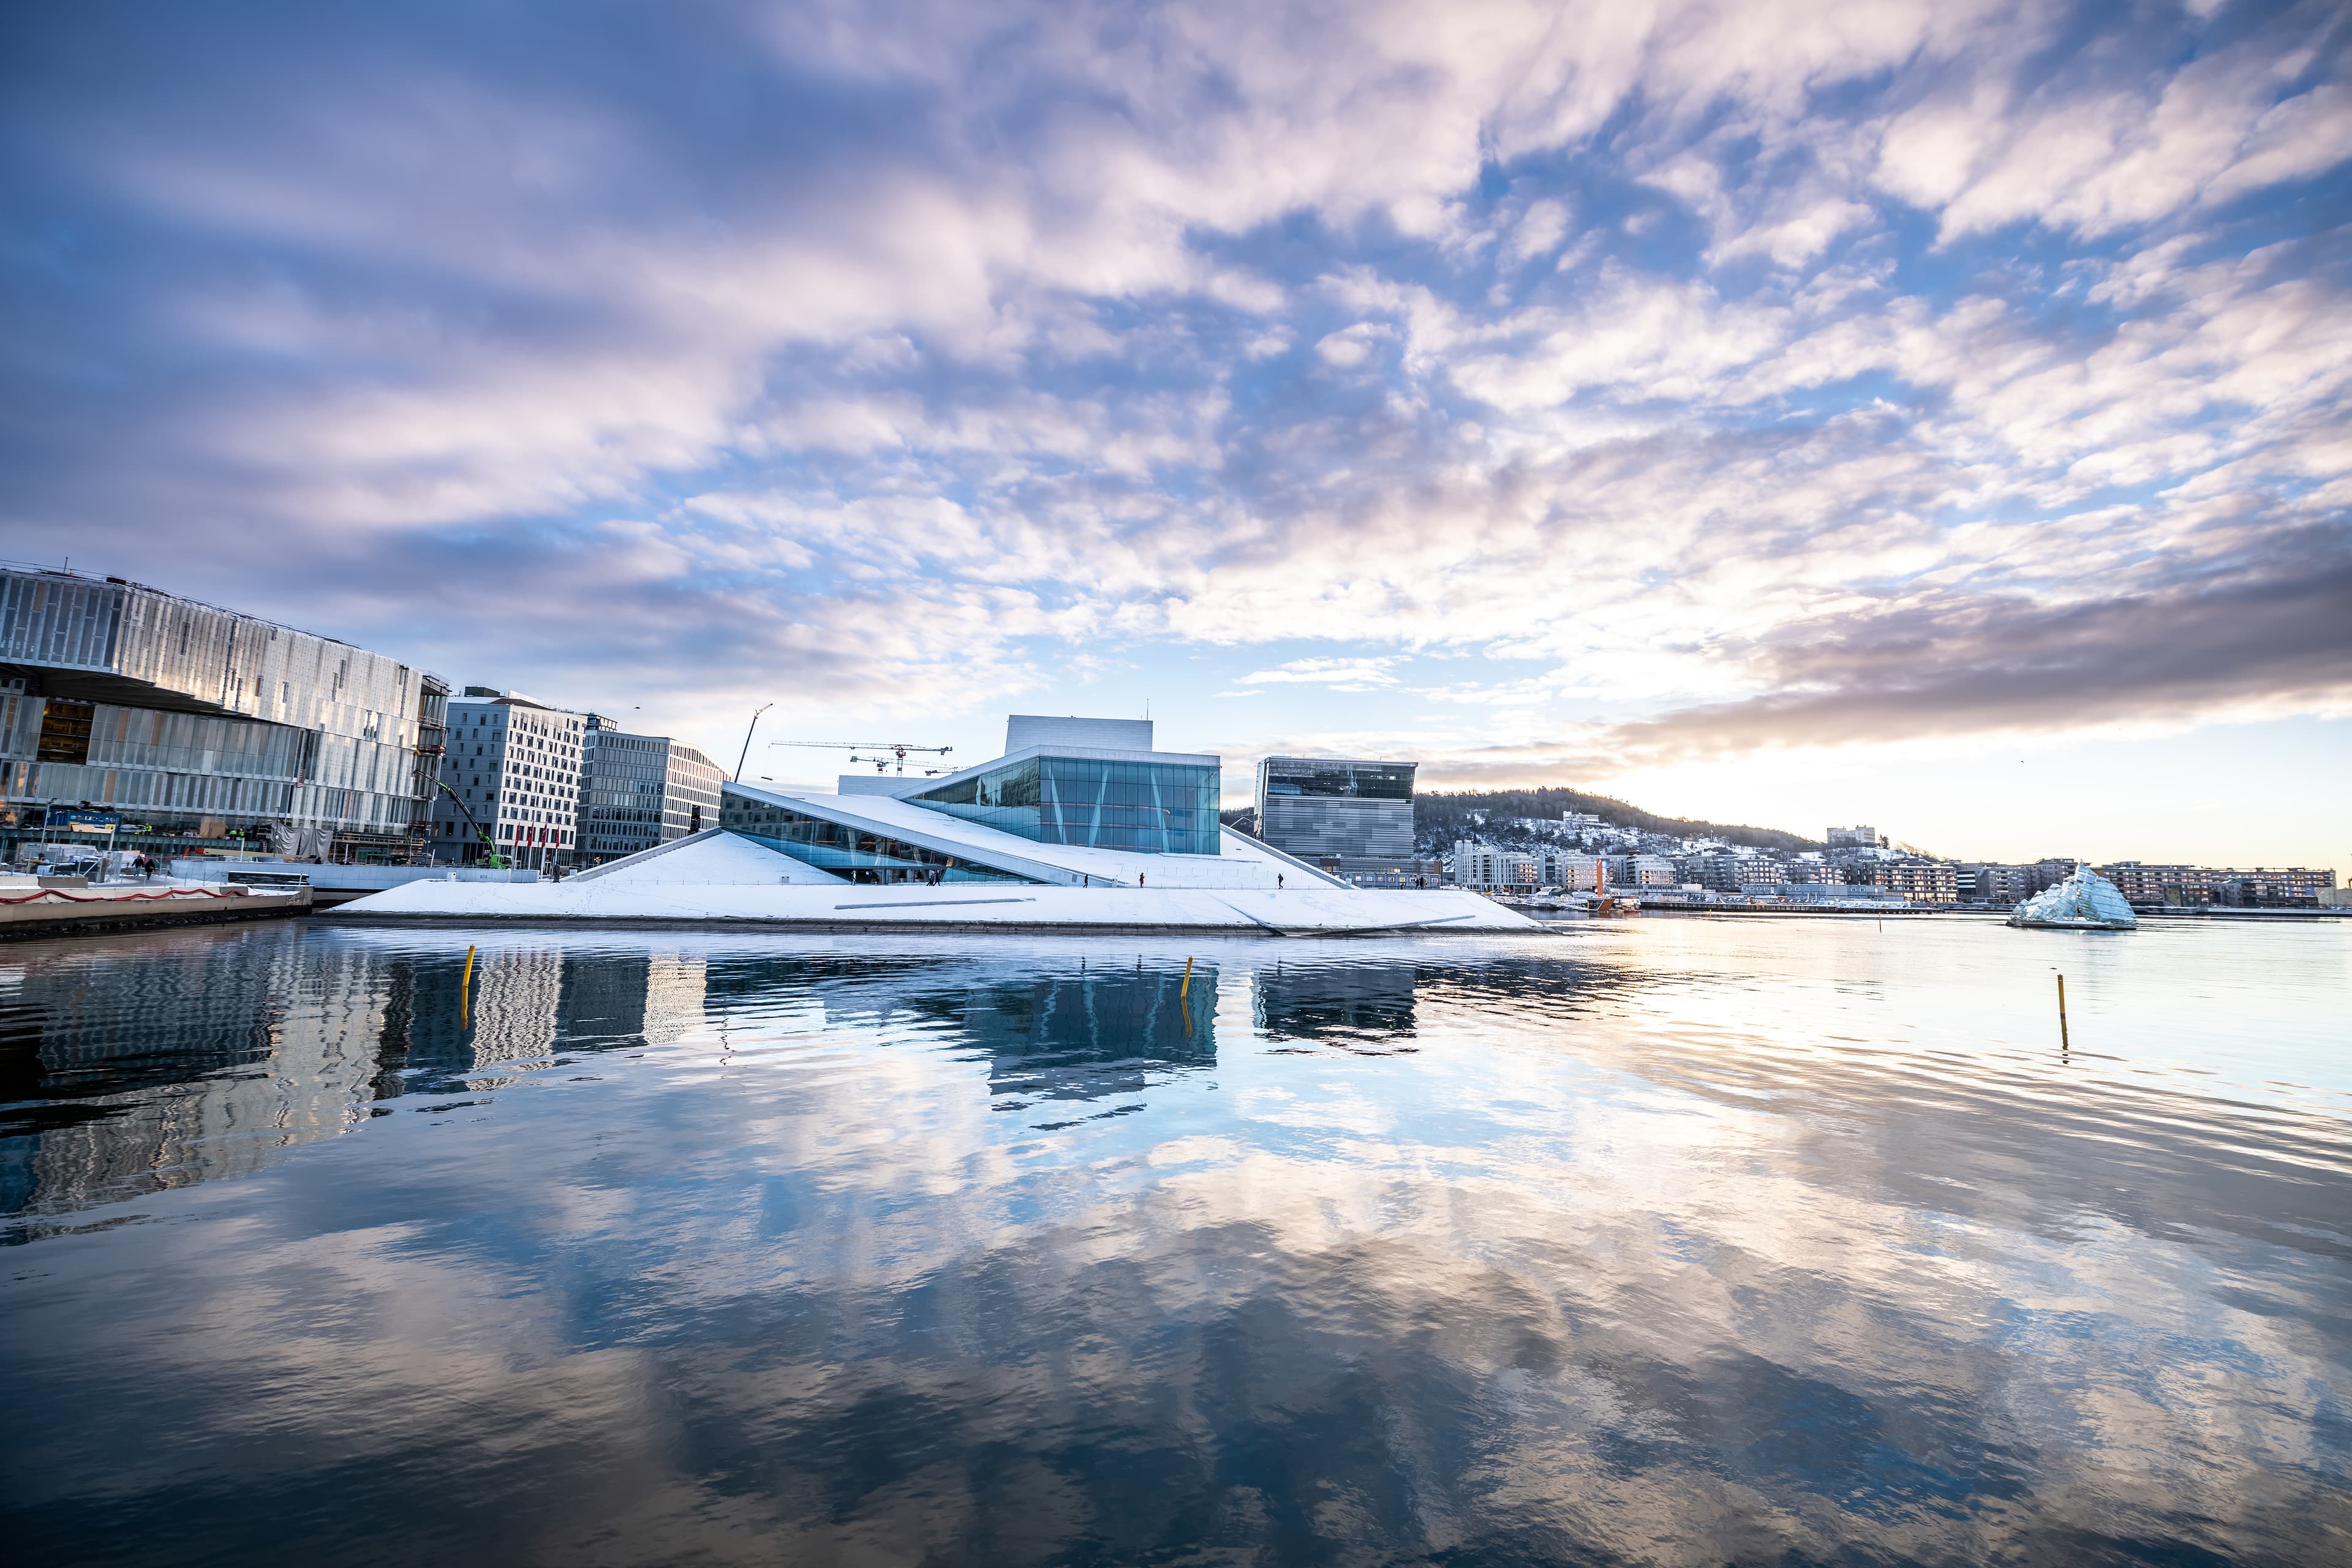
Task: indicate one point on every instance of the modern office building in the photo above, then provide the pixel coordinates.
(1335, 805)
(637, 791)
(511, 780)
(174, 725)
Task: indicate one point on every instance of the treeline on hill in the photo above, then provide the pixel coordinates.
(1446, 818)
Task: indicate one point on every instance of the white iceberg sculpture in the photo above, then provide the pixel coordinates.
(2084, 901)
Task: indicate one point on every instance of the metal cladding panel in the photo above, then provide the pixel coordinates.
(1024, 730)
(1324, 825)
(148, 652)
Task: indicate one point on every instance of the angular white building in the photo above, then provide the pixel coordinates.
(1081, 826)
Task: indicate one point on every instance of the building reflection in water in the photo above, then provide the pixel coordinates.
(234, 1045)
(1360, 1005)
(1093, 1033)
(1054, 1026)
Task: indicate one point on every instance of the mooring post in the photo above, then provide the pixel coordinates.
(1186, 989)
(2062, 1013)
(465, 983)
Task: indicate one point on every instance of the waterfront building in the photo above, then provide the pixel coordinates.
(1491, 869)
(1641, 871)
(177, 726)
(1573, 872)
(1063, 785)
(1058, 835)
(2283, 885)
(1334, 805)
(2184, 885)
(2005, 885)
(511, 775)
(1920, 881)
(637, 791)
(1715, 871)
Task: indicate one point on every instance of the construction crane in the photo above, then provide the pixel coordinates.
(899, 749)
(495, 860)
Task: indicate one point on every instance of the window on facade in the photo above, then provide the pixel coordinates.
(1353, 781)
(851, 853)
(65, 731)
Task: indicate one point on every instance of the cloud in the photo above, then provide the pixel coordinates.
(1684, 364)
(1337, 674)
(2249, 640)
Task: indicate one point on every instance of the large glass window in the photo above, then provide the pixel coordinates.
(1152, 808)
(852, 854)
(1350, 781)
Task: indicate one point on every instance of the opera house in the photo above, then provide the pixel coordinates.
(1081, 826)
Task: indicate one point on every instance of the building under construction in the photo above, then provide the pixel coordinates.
(168, 726)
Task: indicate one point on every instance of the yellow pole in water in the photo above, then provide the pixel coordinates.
(464, 984)
(2062, 1014)
(1186, 989)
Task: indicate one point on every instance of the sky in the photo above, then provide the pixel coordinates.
(1928, 415)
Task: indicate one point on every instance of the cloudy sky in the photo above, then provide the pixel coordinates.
(1927, 413)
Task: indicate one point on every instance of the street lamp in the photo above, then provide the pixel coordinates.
(747, 739)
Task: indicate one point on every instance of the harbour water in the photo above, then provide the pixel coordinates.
(1671, 1241)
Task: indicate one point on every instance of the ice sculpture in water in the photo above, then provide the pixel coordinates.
(2084, 901)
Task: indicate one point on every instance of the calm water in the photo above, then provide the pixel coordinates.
(1667, 1241)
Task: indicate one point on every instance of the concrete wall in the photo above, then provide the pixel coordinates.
(352, 878)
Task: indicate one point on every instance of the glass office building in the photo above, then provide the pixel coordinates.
(191, 725)
(639, 791)
(852, 853)
(1317, 807)
(1099, 803)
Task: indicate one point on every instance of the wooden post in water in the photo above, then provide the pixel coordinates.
(1186, 989)
(465, 983)
(2062, 1014)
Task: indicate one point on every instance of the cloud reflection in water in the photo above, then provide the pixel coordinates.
(1600, 1248)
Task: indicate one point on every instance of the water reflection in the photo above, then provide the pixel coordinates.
(188, 1057)
(1094, 1034)
(1368, 1003)
(976, 1251)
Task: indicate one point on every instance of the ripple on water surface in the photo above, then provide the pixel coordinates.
(1664, 1241)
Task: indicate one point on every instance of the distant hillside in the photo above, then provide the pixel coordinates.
(1446, 818)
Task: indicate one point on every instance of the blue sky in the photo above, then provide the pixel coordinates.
(1932, 415)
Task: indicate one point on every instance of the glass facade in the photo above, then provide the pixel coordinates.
(1150, 809)
(1335, 779)
(1320, 806)
(199, 724)
(639, 791)
(852, 854)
